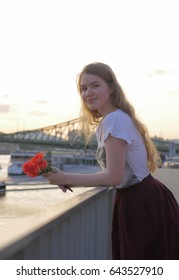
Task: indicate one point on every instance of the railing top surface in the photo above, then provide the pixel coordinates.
(18, 230)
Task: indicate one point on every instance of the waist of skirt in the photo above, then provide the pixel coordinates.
(143, 182)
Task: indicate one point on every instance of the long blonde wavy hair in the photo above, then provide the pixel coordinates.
(90, 118)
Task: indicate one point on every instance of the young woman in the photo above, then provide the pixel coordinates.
(146, 214)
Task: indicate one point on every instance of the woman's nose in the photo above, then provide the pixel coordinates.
(89, 91)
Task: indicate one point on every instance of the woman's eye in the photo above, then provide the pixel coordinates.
(83, 89)
(95, 85)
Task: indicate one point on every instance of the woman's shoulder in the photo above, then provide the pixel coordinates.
(118, 124)
(117, 116)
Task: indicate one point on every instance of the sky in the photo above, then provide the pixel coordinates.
(45, 44)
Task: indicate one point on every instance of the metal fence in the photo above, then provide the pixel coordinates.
(78, 230)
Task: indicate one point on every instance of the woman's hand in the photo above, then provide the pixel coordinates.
(55, 177)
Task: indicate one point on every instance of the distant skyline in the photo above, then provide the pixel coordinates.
(45, 44)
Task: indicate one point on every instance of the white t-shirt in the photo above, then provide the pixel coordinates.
(120, 125)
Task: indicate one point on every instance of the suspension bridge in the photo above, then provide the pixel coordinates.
(68, 135)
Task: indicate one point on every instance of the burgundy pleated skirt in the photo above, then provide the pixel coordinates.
(145, 222)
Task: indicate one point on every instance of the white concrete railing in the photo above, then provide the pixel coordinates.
(79, 229)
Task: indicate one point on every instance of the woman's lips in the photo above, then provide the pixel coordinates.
(91, 100)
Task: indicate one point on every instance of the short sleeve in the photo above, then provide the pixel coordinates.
(120, 125)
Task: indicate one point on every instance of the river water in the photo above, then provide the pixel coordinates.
(18, 203)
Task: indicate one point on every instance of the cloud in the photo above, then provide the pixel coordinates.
(5, 96)
(42, 101)
(172, 92)
(157, 72)
(5, 108)
(37, 113)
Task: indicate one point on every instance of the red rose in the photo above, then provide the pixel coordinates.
(43, 165)
(31, 169)
(40, 161)
(38, 158)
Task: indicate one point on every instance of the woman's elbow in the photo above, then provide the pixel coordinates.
(114, 180)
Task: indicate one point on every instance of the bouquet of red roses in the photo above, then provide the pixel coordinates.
(37, 166)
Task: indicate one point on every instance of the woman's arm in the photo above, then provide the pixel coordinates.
(111, 176)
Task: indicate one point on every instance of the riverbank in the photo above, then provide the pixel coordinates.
(170, 177)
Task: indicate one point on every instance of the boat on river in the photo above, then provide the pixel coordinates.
(17, 159)
(55, 159)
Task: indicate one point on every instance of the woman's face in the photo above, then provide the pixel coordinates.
(96, 93)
